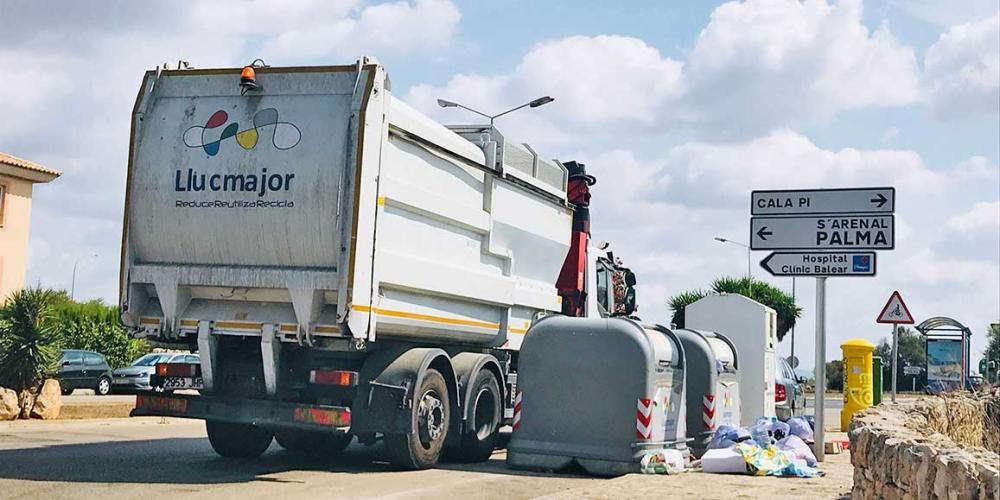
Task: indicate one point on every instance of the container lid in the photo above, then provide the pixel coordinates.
(858, 343)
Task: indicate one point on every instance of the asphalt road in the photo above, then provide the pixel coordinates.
(140, 457)
(171, 458)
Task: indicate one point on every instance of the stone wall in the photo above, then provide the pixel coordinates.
(896, 457)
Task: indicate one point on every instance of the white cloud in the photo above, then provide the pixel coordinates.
(962, 70)
(77, 81)
(762, 64)
(400, 27)
(758, 65)
(786, 159)
(983, 216)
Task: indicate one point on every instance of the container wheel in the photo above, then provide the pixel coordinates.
(482, 430)
(238, 440)
(312, 443)
(421, 448)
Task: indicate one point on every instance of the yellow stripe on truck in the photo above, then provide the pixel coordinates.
(149, 321)
(238, 325)
(426, 317)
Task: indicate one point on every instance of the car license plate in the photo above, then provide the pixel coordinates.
(120, 380)
(183, 383)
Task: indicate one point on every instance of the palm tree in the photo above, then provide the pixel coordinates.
(761, 291)
(29, 340)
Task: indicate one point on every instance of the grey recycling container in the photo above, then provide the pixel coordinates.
(597, 392)
(713, 390)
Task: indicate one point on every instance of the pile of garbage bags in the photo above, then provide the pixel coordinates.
(769, 447)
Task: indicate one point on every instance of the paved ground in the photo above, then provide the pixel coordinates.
(140, 457)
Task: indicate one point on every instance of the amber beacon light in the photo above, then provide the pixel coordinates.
(248, 77)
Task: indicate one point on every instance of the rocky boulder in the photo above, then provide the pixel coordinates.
(26, 399)
(48, 402)
(9, 407)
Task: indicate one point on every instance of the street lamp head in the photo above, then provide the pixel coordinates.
(720, 240)
(447, 104)
(541, 101)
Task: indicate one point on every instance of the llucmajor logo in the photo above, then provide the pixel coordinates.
(284, 135)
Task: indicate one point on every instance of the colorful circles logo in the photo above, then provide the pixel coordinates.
(284, 135)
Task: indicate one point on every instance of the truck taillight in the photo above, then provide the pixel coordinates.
(178, 369)
(779, 393)
(333, 377)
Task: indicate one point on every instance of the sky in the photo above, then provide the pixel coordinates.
(679, 108)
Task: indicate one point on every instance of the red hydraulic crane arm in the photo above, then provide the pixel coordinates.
(572, 278)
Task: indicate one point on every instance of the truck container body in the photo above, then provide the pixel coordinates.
(344, 265)
(326, 209)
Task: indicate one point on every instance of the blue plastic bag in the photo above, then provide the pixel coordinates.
(799, 426)
(727, 435)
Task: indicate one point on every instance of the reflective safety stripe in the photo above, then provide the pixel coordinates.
(708, 411)
(427, 317)
(644, 419)
(517, 412)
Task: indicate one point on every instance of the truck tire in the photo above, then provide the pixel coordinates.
(421, 448)
(482, 429)
(313, 443)
(238, 440)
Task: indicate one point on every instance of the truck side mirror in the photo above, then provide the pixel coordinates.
(629, 304)
(629, 277)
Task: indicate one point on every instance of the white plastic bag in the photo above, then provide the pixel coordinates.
(798, 449)
(662, 462)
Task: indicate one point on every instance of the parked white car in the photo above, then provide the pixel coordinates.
(136, 376)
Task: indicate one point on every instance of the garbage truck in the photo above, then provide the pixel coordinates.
(345, 266)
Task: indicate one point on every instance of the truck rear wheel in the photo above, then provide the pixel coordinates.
(313, 443)
(482, 429)
(421, 448)
(238, 440)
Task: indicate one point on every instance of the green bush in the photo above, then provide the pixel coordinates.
(29, 338)
(94, 326)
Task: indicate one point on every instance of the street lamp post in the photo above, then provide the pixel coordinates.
(724, 240)
(541, 101)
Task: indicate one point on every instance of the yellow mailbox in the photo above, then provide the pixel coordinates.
(857, 379)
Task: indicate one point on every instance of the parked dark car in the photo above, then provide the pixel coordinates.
(137, 376)
(789, 395)
(84, 370)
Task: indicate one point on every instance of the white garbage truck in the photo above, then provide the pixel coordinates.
(345, 266)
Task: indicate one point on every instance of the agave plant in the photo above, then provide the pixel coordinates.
(29, 340)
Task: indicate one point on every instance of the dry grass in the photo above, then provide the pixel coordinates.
(971, 420)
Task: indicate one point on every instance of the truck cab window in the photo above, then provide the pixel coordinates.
(604, 290)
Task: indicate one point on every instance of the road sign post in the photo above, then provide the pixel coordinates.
(895, 313)
(836, 231)
(820, 389)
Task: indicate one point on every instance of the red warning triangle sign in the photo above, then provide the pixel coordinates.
(895, 311)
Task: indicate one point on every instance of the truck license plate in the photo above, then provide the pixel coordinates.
(183, 383)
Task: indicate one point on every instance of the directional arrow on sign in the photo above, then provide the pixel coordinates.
(879, 200)
(764, 233)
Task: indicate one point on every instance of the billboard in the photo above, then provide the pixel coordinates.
(944, 364)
